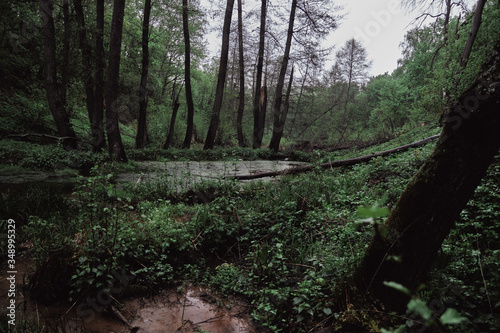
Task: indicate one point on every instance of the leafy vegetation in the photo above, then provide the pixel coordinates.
(287, 246)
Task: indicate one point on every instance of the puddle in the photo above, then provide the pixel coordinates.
(183, 175)
(188, 311)
(195, 309)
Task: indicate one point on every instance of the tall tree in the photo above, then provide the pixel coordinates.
(476, 23)
(98, 138)
(86, 51)
(277, 108)
(53, 91)
(187, 76)
(175, 109)
(353, 64)
(221, 78)
(260, 91)
(115, 145)
(241, 99)
(142, 132)
(434, 198)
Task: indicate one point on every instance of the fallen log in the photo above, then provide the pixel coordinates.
(334, 164)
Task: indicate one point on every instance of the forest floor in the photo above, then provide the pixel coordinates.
(278, 252)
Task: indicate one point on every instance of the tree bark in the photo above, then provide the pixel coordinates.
(221, 79)
(52, 88)
(98, 137)
(175, 109)
(88, 78)
(278, 126)
(142, 132)
(116, 150)
(241, 102)
(258, 125)
(65, 64)
(476, 23)
(278, 132)
(187, 75)
(434, 198)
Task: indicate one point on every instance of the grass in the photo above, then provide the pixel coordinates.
(288, 246)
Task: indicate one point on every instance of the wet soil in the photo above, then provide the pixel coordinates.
(186, 309)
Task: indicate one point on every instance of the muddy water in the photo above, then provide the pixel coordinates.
(182, 175)
(187, 310)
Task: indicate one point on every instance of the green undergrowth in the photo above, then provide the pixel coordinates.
(288, 246)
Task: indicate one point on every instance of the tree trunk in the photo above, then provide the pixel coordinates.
(476, 23)
(241, 105)
(187, 75)
(116, 150)
(258, 126)
(87, 66)
(221, 79)
(436, 195)
(142, 132)
(175, 109)
(65, 64)
(278, 132)
(98, 138)
(278, 126)
(52, 89)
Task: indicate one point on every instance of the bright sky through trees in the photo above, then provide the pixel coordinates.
(380, 25)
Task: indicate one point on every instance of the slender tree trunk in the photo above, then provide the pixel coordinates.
(258, 126)
(65, 64)
(241, 105)
(142, 132)
(52, 89)
(175, 109)
(187, 75)
(279, 129)
(476, 23)
(88, 78)
(98, 137)
(434, 198)
(116, 149)
(221, 79)
(278, 125)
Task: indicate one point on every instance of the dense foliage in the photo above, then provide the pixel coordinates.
(288, 246)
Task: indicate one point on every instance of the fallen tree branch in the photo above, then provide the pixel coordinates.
(333, 164)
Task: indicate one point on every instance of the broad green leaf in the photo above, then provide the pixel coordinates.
(418, 306)
(397, 286)
(451, 317)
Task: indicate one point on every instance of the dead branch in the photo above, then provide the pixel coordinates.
(334, 164)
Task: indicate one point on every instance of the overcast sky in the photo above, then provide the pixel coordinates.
(380, 25)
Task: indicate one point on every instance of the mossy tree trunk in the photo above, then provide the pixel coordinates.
(434, 198)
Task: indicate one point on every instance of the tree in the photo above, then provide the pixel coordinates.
(88, 77)
(187, 76)
(53, 89)
(116, 149)
(279, 119)
(175, 109)
(98, 139)
(260, 96)
(476, 23)
(221, 78)
(353, 64)
(142, 132)
(434, 198)
(241, 98)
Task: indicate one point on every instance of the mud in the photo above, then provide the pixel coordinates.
(186, 309)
